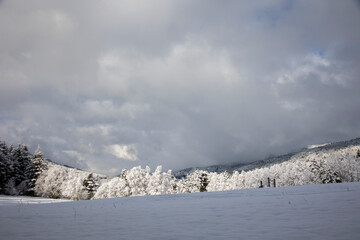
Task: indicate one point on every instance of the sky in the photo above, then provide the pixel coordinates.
(112, 84)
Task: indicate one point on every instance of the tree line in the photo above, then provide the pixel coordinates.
(19, 169)
(23, 173)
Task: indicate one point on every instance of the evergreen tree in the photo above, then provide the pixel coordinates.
(23, 169)
(11, 149)
(90, 185)
(323, 174)
(5, 167)
(127, 191)
(204, 181)
(19, 165)
(19, 170)
(39, 165)
(39, 161)
(13, 171)
(197, 181)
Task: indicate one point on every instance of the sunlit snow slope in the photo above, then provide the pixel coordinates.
(330, 211)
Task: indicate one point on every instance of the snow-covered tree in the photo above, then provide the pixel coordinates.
(5, 167)
(218, 181)
(160, 182)
(323, 173)
(23, 173)
(194, 182)
(62, 182)
(113, 187)
(90, 184)
(138, 179)
(39, 161)
(21, 170)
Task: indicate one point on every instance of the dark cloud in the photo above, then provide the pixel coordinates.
(113, 84)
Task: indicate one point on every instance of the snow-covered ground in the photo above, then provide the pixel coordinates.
(329, 211)
(21, 200)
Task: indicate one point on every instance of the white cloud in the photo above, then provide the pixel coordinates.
(188, 83)
(291, 106)
(126, 152)
(63, 23)
(313, 66)
(75, 154)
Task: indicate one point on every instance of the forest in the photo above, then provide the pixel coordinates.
(23, 173)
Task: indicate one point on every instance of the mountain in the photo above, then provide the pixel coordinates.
(270, 160)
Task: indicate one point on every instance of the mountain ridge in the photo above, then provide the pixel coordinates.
(231, 167)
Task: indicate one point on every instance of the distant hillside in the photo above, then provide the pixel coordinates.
(270, 160)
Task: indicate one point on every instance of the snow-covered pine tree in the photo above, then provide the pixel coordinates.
(39, 165)
(125, 186)
(323, 173)
(194, 182)
(204, 181)
(39, 161)
(23, 169)
(90, 184)
(5, 166)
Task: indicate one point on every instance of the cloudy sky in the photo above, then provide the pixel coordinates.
(112, 84)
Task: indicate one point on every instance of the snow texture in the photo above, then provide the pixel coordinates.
(6, 200)
(327, 211)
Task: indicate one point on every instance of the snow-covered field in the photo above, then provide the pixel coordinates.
(329, 211)
(21, 200)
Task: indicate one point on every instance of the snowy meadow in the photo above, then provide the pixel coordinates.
(330, 211)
